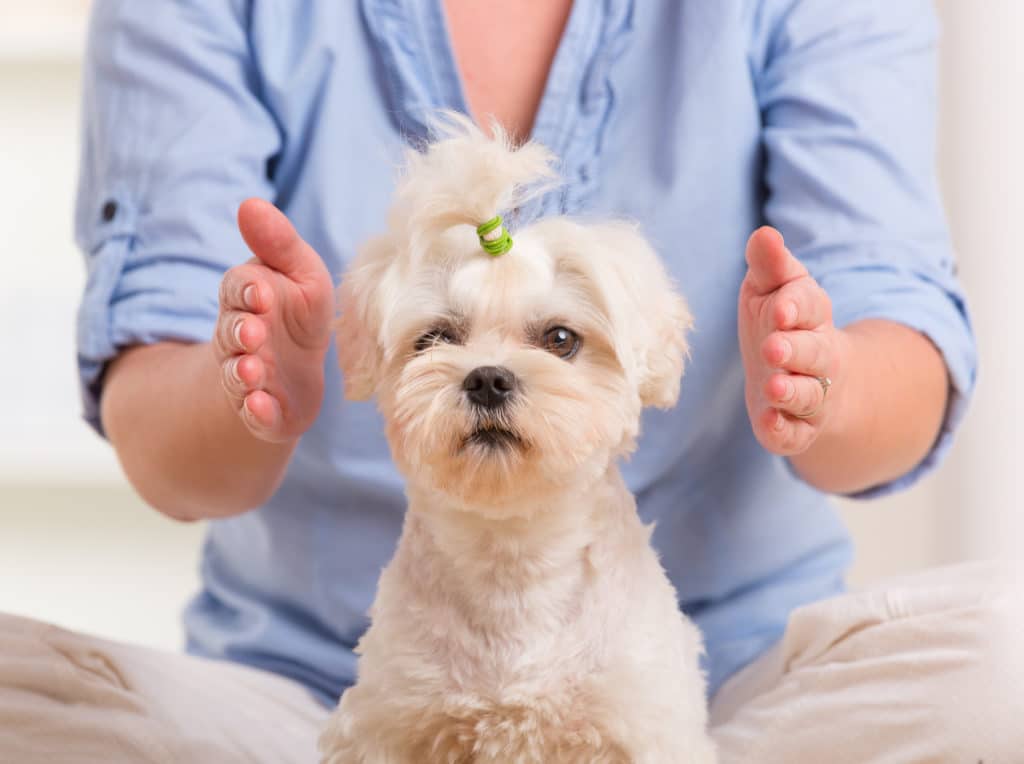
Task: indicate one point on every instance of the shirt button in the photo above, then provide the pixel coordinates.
(109, 211)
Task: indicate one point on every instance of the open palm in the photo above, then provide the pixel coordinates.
(274, 327)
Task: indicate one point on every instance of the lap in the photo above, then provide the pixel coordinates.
(925, 669)
(68, 697)
(928, 668)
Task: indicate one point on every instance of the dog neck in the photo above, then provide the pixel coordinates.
(560, 517)
(503, 566)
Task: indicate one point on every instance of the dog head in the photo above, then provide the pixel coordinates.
(503, 379)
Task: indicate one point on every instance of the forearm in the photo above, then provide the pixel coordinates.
(181, 443)
(888, 403)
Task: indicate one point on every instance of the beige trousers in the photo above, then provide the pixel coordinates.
(927, 669)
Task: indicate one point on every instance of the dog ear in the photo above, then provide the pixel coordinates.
(360, 354)
(650, 312)
(666, 352)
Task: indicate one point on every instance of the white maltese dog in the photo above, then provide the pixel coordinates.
(525, 617)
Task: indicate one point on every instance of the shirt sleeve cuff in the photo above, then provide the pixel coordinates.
(138, 304)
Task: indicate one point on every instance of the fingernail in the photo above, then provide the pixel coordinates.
(787, 350)
(237, 331)
(233, 370)
(249, 296)
(790, 314)
(789, 391)
(779, 421)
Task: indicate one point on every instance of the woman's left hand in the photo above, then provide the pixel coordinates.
(789, 347)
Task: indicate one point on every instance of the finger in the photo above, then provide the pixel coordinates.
(799, 304)
(274, 240)
(245, 287)
(800, 351)
(262, 413)
(795, 394)
(239, 332)
(784, 435)
(242, 375)
(769, 263)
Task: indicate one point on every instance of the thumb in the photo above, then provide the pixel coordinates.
(274, 240)
(770, 264)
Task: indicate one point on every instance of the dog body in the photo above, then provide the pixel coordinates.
(525, 617)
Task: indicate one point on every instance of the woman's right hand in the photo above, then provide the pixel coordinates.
(274, 327)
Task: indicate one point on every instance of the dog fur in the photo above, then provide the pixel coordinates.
(524, 617)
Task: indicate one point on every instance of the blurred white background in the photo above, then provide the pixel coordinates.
(79, 549)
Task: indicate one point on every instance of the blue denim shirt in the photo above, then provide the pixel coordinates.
(701, 120)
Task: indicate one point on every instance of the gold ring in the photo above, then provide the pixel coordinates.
(825, 383)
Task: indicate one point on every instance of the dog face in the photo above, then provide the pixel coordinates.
(504, 379)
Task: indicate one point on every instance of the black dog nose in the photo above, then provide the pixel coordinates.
(489, 386)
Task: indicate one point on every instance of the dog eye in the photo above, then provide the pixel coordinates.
(561, 342)
(434, 336)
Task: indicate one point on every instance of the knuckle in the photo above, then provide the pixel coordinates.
(794, 396)
(235, 327)
(226, 328)
(233, 288)
(234, 283)
(224, 294)
(220, 342)
(796, 348)
(230, 380)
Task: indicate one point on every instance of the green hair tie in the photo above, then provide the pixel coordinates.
(494, 237)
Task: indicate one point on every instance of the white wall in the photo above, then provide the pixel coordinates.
(76, 547)
(41, 273)
(41, 277)
(983, 178)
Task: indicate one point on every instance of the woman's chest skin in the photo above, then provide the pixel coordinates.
(504, 52)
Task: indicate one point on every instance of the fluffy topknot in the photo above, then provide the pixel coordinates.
(464, 177)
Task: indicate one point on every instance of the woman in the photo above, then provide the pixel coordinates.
(704, 122)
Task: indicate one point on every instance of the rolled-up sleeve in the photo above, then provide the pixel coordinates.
(174, 138)
(847, 93)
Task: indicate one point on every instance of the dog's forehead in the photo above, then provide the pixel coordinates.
(505, 286)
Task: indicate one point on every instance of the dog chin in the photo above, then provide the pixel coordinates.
(490, 441)
(489, 470)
